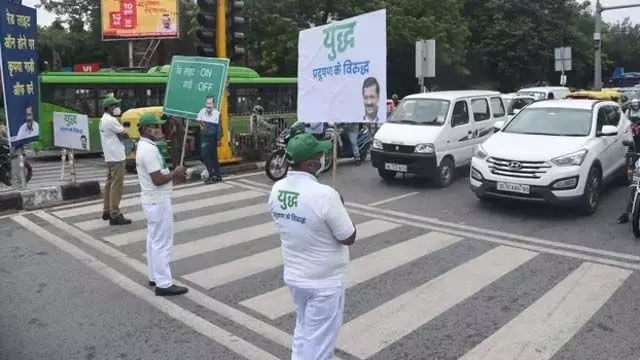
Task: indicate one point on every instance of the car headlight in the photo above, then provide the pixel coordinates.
(480, 153)
(376, 144)
(425, 148)
(573, 159)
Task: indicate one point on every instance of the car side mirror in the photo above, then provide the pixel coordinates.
(608, 130)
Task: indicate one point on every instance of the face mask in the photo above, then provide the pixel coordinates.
(117, 111)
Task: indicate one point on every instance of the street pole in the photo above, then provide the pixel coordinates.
(221, 52)
(597, 37)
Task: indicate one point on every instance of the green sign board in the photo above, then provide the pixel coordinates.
(191, 81)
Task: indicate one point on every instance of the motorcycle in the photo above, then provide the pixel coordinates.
(276, 166)
(632, 157)
(5, 164)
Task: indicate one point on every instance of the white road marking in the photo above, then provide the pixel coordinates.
(472, 232)
(266, 260)
(277, 303)
(539, 331)
(373, 331)
(125, 239)
(385, 201)
(503, 234)
(204, 327)
(259, 327)
(195, 223)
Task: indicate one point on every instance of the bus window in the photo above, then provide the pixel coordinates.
(151, 96)
(86, 101)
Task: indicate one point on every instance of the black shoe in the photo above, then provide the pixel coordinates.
(152, 283)
(106, 216)
(119, 220)
(358, 162)
(623, 219)
(172, 290)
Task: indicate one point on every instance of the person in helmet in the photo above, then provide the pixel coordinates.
(634, 115)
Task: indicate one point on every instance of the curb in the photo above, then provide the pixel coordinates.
(32, 199)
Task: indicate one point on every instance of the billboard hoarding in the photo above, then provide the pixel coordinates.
(342, 72)
(140, 19)
(19, 63)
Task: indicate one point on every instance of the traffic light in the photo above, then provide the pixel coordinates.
(206, 45)
(237, 28)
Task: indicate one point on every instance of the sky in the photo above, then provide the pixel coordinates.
(45, 18)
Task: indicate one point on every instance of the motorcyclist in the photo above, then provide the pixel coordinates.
(257, 124)
(634, 116)
(624, 217)
(352, 130)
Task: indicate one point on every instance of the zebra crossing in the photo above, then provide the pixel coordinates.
(405, 285)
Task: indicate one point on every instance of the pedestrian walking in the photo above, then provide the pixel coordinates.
(209, 117)
(155, 184)
(315, 231)
(111, 135)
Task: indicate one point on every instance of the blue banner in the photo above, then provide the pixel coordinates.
(19, 62)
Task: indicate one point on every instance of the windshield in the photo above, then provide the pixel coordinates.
(551, 121)
(421, 112)
(518, 104)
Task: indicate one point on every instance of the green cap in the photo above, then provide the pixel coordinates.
(304, 146)
(149, 119)
(108, 101)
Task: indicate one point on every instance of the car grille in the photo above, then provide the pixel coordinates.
(517, 169)
(404, 149)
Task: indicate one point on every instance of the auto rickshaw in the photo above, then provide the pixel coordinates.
(604, 94)
(129, 120)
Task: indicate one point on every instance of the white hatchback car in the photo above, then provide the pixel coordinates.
(554, 151)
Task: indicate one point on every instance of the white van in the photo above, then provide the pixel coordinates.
(546, 92)
(430, 134)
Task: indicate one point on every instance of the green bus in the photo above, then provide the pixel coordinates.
(83, 92)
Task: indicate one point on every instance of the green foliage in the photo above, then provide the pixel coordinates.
(503, 44)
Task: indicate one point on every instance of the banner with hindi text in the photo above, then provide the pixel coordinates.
(19, 63)
(342, 71)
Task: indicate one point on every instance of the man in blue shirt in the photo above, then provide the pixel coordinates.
(209, 117)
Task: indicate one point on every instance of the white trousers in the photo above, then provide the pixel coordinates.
(318, 321)
(159, 242)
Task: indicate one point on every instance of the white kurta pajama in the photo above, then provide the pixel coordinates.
(156, 203)
(311, 218)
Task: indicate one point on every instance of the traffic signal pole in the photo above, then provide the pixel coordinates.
(221, 52)
(221, 29)
(597, 38)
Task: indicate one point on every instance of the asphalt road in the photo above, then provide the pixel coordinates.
(433, 275)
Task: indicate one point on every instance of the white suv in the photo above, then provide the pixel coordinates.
(554, 151)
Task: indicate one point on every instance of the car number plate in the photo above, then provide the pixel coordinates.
(516, 188)
(395, 167)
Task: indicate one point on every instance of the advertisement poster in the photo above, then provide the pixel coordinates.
(71, 131)
(19, 62)
(342, 71)
(140, 19)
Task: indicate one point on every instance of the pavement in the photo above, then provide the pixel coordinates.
(434, 274)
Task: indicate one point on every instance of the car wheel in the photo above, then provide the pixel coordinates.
(591, 196)
(446, 172)
(386, 175)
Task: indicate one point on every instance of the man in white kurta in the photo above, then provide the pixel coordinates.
(316, 232)
(155, 184)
